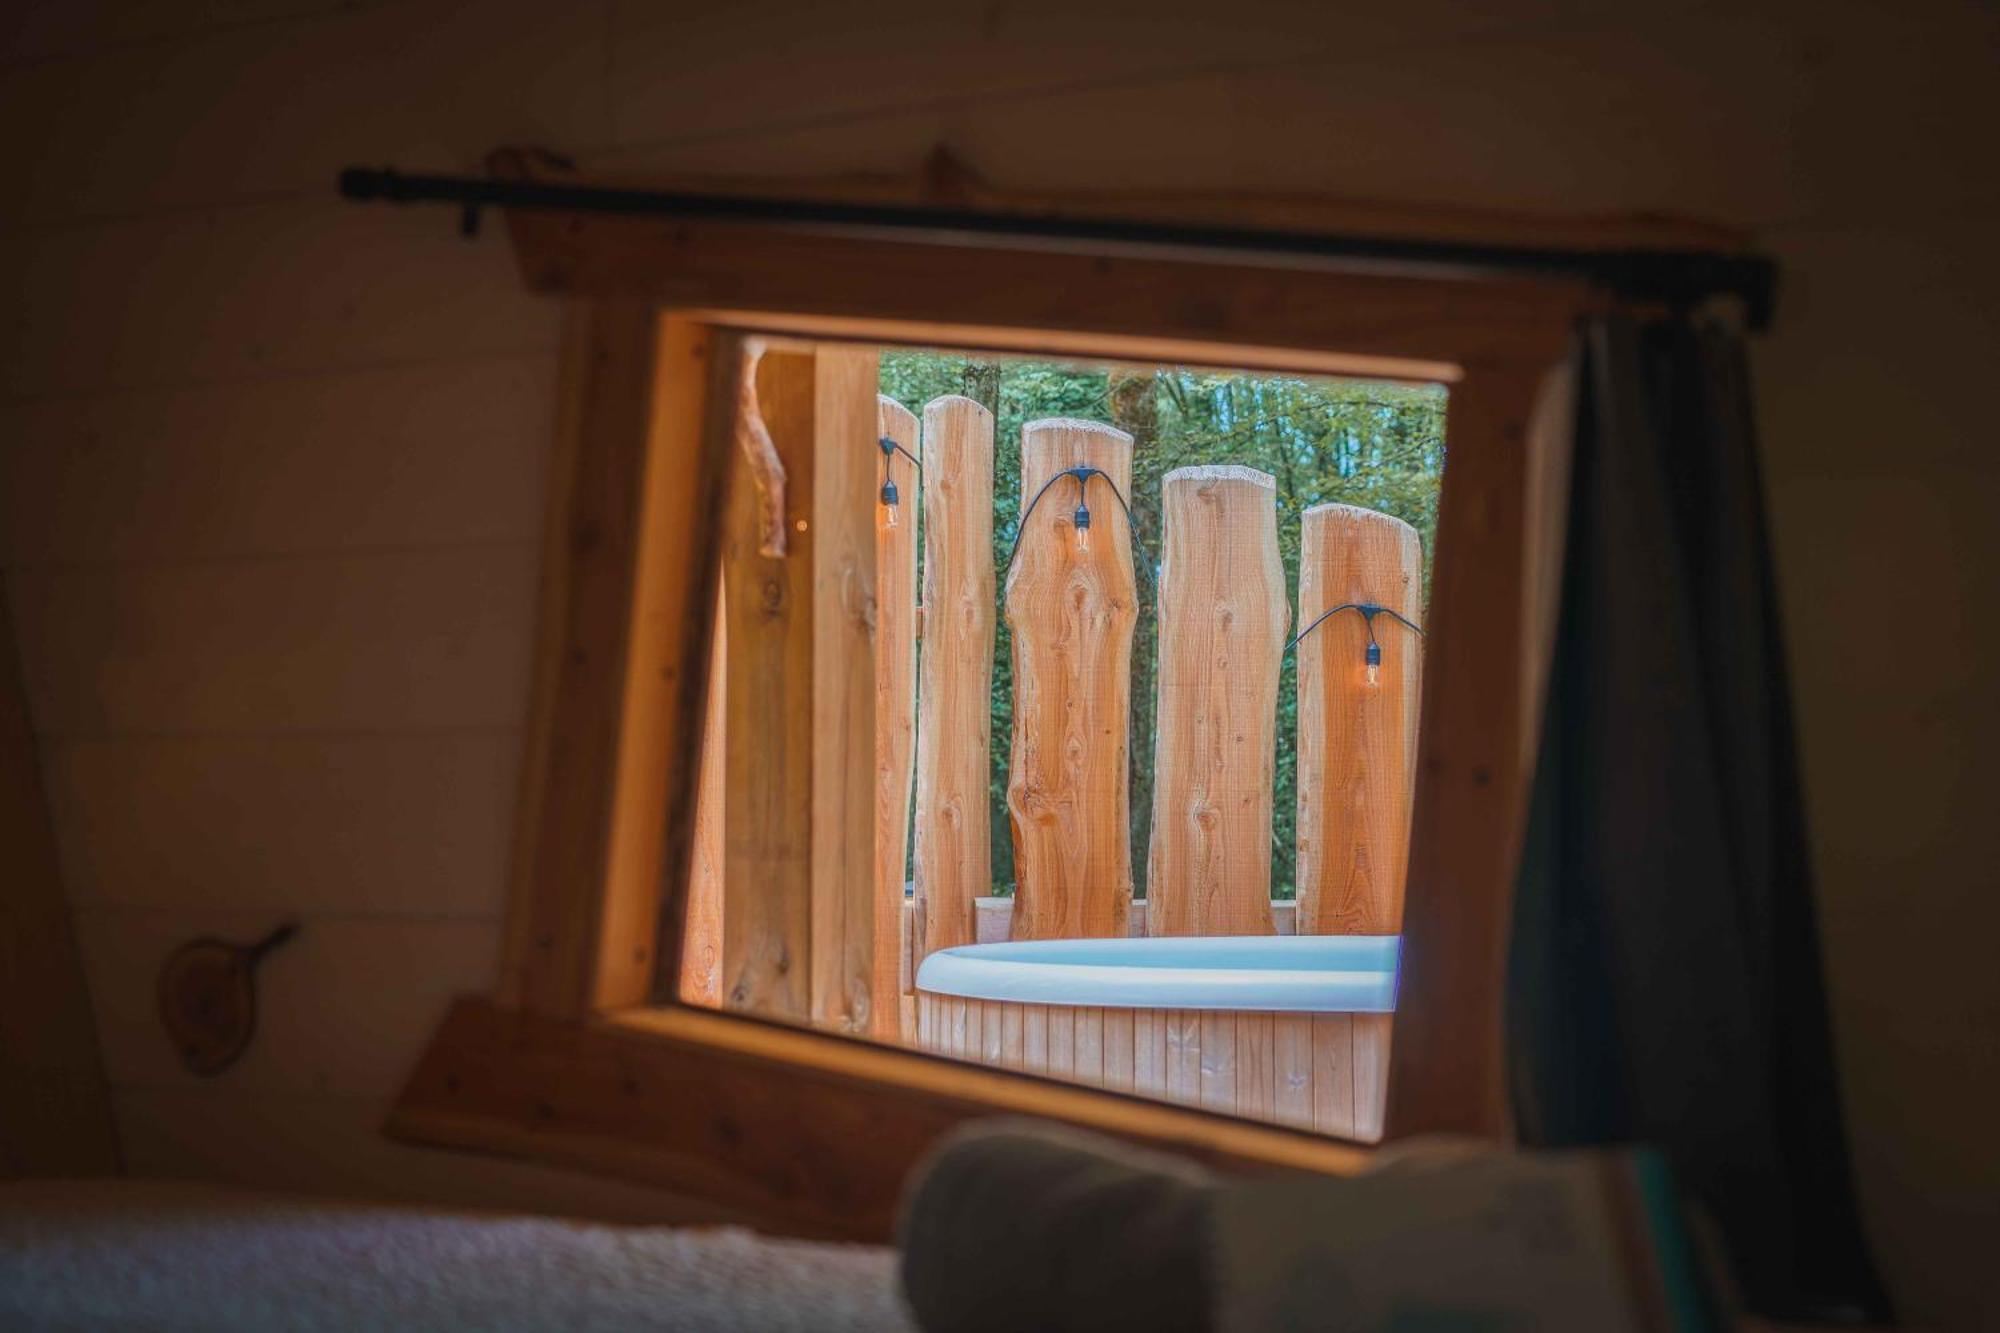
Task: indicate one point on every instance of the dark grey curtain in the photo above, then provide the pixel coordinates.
(1665, 979)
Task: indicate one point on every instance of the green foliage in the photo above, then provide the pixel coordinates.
(1356, 442)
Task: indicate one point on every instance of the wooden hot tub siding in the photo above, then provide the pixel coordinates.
(1323, 1072)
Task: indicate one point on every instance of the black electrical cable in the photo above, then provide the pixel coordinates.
(1368, 610)
(890, 449)
(1082, 473)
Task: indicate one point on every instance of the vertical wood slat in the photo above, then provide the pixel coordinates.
(955, 666)
(1216, 1032)
(1062, 1040)
(1292, 1069)
(1149, 1051)
(1255, 1068)
(895, 706)
(1088, 1045)
(1119, 1037)
(1223, 619)
(1372, 1037)
(1183, 1055)
(849, 914)
(701, 941)
(1357, 741)
(768, 728)
(1333, 1074)
(1072, 611)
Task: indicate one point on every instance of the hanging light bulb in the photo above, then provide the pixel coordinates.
(1373, 658)
(889, 506)
(1081, 519)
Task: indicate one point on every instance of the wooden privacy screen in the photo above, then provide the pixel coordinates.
(954, 723)
(1072, 606)
(802, 927)
(1223, 615)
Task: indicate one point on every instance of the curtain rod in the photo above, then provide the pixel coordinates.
(1672, 277)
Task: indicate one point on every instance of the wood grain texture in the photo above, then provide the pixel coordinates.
(954, 726)
(1072, 612)
(848, 915)
(1450, 1070)
(768, 728)
(562, 851)
(895, 706)
(809, 1133)
(55, 1117)
(664, 712)
(1223, 619)
(1357, 741)
(701, 940)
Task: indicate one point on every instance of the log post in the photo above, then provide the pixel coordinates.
(1072, 603)
(895, 704)
(1223, 619)
(955, 668)
(1358, 749)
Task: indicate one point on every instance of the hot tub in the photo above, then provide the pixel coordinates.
(1287, 1028)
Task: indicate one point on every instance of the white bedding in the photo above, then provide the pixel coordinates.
(157, 1255)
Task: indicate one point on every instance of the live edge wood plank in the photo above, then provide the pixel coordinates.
(808, 1133)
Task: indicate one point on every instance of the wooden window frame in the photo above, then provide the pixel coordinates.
(578, 1059)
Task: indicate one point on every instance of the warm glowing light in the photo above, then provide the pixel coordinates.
(888, 516)
(800, 525)
(1374, 674)
(1083, 541)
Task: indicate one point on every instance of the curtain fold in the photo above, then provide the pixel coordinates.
(1664, 979)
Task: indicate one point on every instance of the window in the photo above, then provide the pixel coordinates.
(583, 1055)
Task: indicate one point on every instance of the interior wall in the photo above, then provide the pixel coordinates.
(273, 466)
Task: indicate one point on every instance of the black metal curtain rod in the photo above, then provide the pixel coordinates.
(1673, 277)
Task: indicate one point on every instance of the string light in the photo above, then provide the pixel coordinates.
(1371, 656)
(890, 497)
(1081, 520)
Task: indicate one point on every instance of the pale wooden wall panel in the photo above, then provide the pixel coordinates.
(39, 32)
(334, 1146)
(258, 291)
(344, 1008)
(381, 641)
(434, 454)
(409, 823)
(250, 110)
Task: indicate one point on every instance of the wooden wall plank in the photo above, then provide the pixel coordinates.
(411, 823)
(375, 641)
(1073, 612)
(895, 706)
(848, 914)
(954, 727)
(767, 802)
(441, 453)
(54, 1116)
(1223, 617)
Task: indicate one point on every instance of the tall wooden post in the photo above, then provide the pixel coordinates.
(799, 905)
(895, 704)
(1223, 619)
(955, 667)
(1072, 606)
(701, 940)
(1357, 747)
